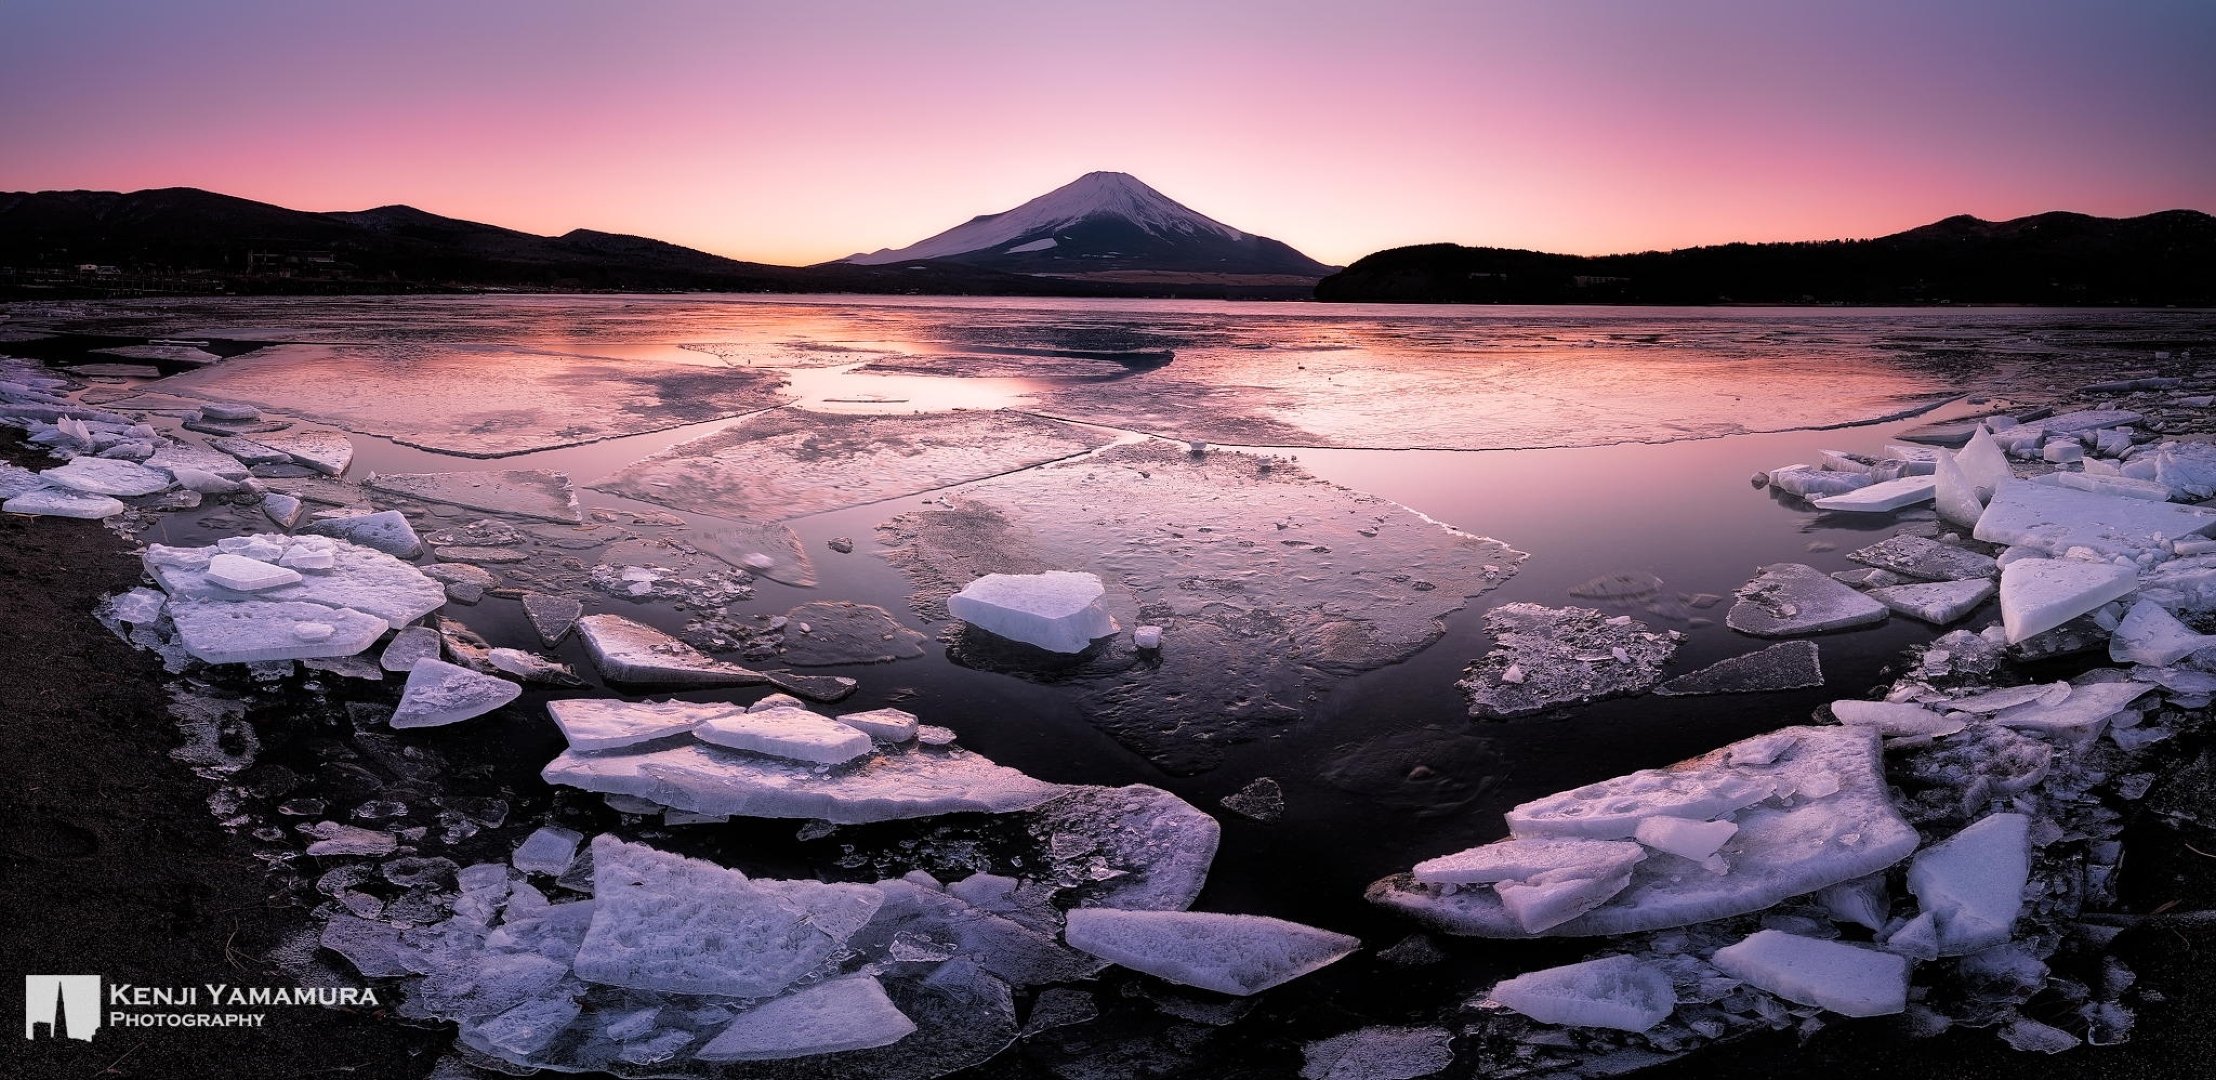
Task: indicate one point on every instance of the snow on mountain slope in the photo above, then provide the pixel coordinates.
(1102, 221)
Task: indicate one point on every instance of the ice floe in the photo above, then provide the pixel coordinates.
(440, 693)
(1846, 979)
(1880, 498)
(2057, 519)
(1789, 598)
(1543, 658)
(1936, 602)
(592, 724)
(1230, 954)
(634, 653)
(1925, 559)
(523, 493)
(1972, 884)
(791, 733)
(386, 530)
(889, 785)
(1787, 665)
(847, 1013)
(2040, 594)
(1059, 610)
(251, 631)
(1619, 992)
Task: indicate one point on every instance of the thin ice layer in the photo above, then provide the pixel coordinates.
(1619, 992)
(251, 631)
(830, 1017)
(1791, 598)
(2056, 519)
(629, 652)
(592, 724)
(1846, 979)
(1812, 808)
(528, 493)
(1230, 954)
(1787, 665)
(897, 783)
(1545, 658)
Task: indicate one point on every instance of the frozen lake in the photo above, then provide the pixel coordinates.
(1375, 480)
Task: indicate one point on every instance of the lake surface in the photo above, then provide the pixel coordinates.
(1596, 441)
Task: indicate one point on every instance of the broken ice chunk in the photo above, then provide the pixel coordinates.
(629, 652)
(665, 922)
(1060, 610)
(1695, 840)
(1546, 657)
(106, 476)
(2151, 635)
(551, 616)
(847, 1013)
(251, 631)
(605, 723)
(1230, 954)
(440, 693)
(1972, 883)
(2056, 519)
(1936, 602)
(1789, 598)
(2084, 707)
(787, 733)
(1378, 1052)
(1881, 498)
(1895, 719)
(1619, 992)
(1810, 482)
(529, 493)
(1544, 901)
(1516, 859)
(2040, 594)
(1787, 665)
(1147, 637)
(1982, 461)
(548, 850)
(1845, 979)
(1954, 496)
(891, 725)
(283, 510)
(387, 531)
(55, 502)
(248, 575)
(1925, 559)
(411, 644)
(901, 783)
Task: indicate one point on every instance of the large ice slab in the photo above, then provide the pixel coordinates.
(56, 502)
(2149, 634)
(326, 452)
(105, 476)
(439, 693)
(1881, 498)
(1843, 978)
(352, 576)
(904, 783)
(1791, 598)
(1619, 992)
(249, 631)
(629, 652)
(1925, 559)
(530, 493)
(1812, 809)
(2056, 519)
(2084, 707)
(1936, 602)
(1543, 658)
(666, 922)
(1787, 665)
(1972, 883)
(1059, 610)
(837, 1015)
(606, 724)
(787, 733)
(1230, 954)
(2040, 594)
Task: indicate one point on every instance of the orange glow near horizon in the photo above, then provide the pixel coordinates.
(795, 136)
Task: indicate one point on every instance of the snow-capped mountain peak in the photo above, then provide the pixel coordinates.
(1112, 221)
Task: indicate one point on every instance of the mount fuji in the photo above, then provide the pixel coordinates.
(1106, 226)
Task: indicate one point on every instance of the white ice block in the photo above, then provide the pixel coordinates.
(105, 476)
(1972, 883)
(1060, 610)
(830, 1017)
(56, 502)
(1884, 497)
(248, 575)
(1619, 992)
(629, 652)
(250, 631)
(593, 724)
(787, 733)
(1936, 602)
(1845, 979)
(439, 693)
(1982, 461)
(2149, 634)
(1230, 954)
(1789, 598)
(1517, 859)
(2038, 595)
(891, 725)
(2056, 519)
(1684, 838)
(548, 850)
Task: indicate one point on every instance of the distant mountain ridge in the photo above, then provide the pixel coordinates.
(2059, 258)
(1102, 223)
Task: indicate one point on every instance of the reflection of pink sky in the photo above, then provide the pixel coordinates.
(795, 136)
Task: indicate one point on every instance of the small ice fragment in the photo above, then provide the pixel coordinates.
(1619, 992)
(1147, 637)
(1972, 883)
(548, 850)
(1843, 978)
(1687, 839)
(1230, 954)
(847, 1013)
(1060, 610)
(440, 693)
(248, 575)
(891, 725)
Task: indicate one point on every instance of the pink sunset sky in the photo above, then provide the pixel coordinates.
(803, 132)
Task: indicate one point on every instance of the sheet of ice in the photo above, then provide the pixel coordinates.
(526, 493)
(1059, 611)
(1517, 859)
(1925, 559)
(1272, 583)
(2085, 707)
(592, 724)
(829, 1017)
(1378, 1052)
(248, 575)
(665, 922)
(174, 455)
(550, 849)
(1787, 665)
(890, 725)
(629, 652)
(1619, 992)
(106, 476)
(1937, 602)
(1541, 902)
(2148, 634)
(2056, 519)
(326, 452)
(1954, 497)
(552, 616)
(1972, 883)
(1136, 846)
(1895, 719)
(386, 530)
(1834, 975)
(411, 644)
(2189, 469)
(1810, 482)
(831, 632)
(1545, 658)
(902, 783)
(1881, 498)
(1812, 807)
(1230, 954)
(1786, 599)
(2120, 486)
(982, 919)
(2040, 594)
(439, 693)
(1983, 463)
(796, 734)
(355, 577)
(55, 502)
(790, 463)
(249, 631)
(482, 399)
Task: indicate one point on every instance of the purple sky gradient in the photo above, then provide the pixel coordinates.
(803, 132)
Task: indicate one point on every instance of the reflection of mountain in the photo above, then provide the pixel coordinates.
(2055, 258)
(188, 240)
(1103, 223)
